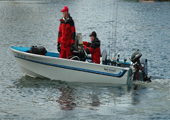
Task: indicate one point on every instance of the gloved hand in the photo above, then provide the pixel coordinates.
(72, 48)
(59, 47)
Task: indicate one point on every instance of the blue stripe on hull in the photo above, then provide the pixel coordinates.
(119, 75)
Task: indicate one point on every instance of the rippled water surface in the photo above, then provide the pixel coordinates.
(140, 25)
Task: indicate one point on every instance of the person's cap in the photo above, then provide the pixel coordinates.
(65, 8)
(93, 34)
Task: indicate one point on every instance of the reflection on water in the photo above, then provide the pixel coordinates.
(72, 95)
(95, 101)
(78, 98)
(66, 99)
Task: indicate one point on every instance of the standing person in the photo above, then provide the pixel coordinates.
(66, 34)
(93, 48)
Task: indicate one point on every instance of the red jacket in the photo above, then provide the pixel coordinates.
(93, 49)
(66, 34)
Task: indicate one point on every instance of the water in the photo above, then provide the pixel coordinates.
(140, 25)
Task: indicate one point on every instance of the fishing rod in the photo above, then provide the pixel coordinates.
(111, 39)
(115, 27)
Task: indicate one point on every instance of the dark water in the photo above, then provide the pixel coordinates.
(140, 25)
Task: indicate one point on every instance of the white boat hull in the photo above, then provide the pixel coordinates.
(69, 70)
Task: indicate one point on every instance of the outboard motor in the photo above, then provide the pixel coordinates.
(139, 67)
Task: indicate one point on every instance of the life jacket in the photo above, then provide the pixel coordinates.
(93, 49)
(66, 34)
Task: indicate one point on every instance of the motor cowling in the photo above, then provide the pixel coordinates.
(136, 56)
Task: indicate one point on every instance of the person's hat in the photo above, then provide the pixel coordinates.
(65, 8)
(93, 34)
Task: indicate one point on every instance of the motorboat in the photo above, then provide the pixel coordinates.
(81, 69)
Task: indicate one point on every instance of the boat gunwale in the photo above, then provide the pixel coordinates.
(68, 60)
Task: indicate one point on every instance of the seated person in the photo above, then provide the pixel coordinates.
(93, 48)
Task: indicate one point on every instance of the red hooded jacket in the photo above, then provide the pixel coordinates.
(66, 34)
(93, 49)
